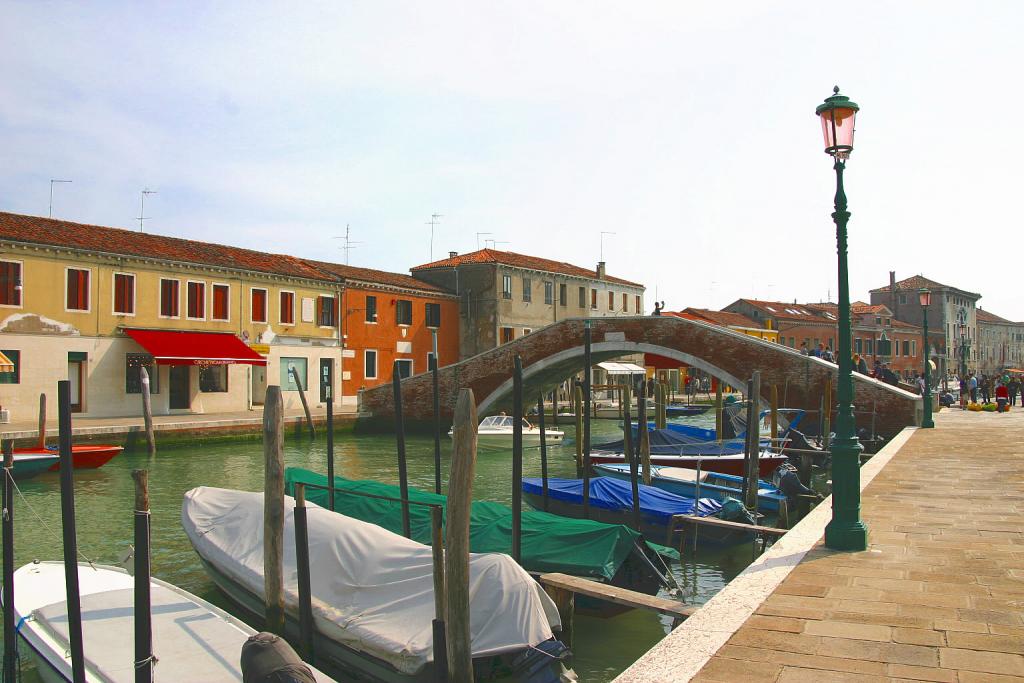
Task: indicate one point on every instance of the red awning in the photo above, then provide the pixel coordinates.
(171, 347)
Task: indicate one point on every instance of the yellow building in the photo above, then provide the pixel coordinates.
(76, 300)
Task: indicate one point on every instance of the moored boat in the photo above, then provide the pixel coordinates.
(495, 431)
(611, 501)
(84, 456)
(373, 592)
(192, 639)
(30, 464)
(710, 462)
(683, 481)
(684, 410)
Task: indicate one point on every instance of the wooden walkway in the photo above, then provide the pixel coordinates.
(938, 596)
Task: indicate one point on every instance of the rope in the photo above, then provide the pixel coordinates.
(152, 659)
(56, 536)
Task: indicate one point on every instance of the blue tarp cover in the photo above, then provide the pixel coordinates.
(672, 441)
(613, 494)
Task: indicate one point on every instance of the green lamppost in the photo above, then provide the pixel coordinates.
(925, 297)
(846, 531)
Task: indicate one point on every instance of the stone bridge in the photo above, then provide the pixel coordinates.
(555, 353)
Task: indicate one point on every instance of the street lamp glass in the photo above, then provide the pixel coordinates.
(838, 115)
(925, 297)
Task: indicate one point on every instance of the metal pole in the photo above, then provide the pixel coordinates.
(517, 458)
(543, 452)
(846, 531)
(10, 635)
(302, 567)
(435, 376)
(67, 515)
(586, 419)
(403, 474)
(632, 457)
(440, 599)
(330, 443)
(143, 603)
(927, 422)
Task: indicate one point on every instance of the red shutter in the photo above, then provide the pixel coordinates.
(220, 302)
(10, 273)
(78, 289)
(259, 306)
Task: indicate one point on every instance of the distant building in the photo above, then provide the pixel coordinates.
(1000, 343)
(734, 321)
(504, 295)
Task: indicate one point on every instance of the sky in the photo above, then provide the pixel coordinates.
(687, 130)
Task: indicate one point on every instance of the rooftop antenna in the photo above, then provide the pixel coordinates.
(432, 222)
(349, 244)
(142, 211)
(478, 238)
(52, 181)
(603, 233)
(494, 243)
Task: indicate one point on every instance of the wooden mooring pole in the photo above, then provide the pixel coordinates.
(643, 435)
(67, 515)
(42, 421)
(586, 418)
(543, 453)
(718, 409)
(330, 444)
(754, 432)
(826, 414)
(302, 398)
(460, 497)
(10, 635)
(436, 386)
(440, 595)
(273, 510)
(147, 411)
(775, 417)
(143, 604)
(302, 569)
(517, 458)
(578, 410)
(630, 456)
(403, 473)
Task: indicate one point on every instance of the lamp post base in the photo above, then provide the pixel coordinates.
(846, 531)
(846, 536)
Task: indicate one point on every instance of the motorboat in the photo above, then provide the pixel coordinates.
(83, 456)
(496, 431)
(728, 463)
(192, 639)
(685, 481)
(30, 464)
(373, 593)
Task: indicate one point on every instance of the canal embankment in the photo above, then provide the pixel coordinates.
(937, 596)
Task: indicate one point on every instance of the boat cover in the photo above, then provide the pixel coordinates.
(615, 494)
(598, 550)
(671, 442)
(373, 591)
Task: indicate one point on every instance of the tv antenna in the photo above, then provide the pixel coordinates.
(52, 181)
(349, 245)
(432, 222)
(495, 243)
(478, 238)
(142, 210)
(603, 233)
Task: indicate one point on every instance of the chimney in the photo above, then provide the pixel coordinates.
(600, 270)
(452, 254)
(892, 295)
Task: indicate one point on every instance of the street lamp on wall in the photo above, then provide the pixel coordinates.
(846, 531)
(925, 297)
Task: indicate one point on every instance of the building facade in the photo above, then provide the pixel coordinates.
(1000, 343)
(504, 295)
(214, 325)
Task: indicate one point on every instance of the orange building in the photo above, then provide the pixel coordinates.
(388, 317)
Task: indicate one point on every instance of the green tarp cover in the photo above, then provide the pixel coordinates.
(550, 543)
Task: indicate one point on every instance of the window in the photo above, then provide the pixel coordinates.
(169, 298)
(371, 309)
(906, 348)
(583, 297)
(526, 331)
(10, 283)
(896, 348)
(549, 293)
(132, 376)
(370, 364)
(563, 295)
(326, 311)
(858, 345)
(625, 303)
(404, 367)
(903, 299)
(507, 335)
(124, 293)
(527, 289)
(913, 348)
(593, 299)
(870, 346)
(213, 379)
(258, 305)
(888, 322)
(221, 302)
(14, 376)
(639, 305)
(195, 296)
(792, 342)
(290, 367)
(403, 312)
(611, 301)
(878, 320)
(78, 289)
(287, 308)
(433, 315)
(506, 286)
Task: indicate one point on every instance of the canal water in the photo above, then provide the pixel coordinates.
(104, 501)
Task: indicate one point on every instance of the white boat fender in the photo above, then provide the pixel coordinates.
(267, 658)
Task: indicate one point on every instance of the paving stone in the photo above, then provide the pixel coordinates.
(846, 629)
(921, 673)
(769, 623)
(725, 670)
(792, 674)
(983, 641)
(918, 636)
(981, 661)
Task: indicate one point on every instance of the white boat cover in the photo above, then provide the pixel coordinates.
(373, 591)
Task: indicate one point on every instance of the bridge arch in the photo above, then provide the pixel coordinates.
(554, 353)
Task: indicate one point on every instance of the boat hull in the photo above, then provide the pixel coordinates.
(530, 439)
(30, 464)
(84, 456)
(766, 501)
(725, 464)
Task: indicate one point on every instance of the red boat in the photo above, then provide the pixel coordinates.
(84, 456)
(724, 464)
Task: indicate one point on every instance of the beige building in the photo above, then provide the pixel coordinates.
(1000, 343)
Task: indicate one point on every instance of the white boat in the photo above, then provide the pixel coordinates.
(496, 431)
(192, 639)
(373, 592)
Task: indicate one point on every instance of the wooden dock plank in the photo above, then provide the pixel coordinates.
(721, 523)
(620, 596)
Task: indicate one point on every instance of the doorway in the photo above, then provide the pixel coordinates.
(259, 384)
(76, 375)
(326, 379)
(180, 392)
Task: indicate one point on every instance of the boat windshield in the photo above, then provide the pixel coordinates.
(502, 422)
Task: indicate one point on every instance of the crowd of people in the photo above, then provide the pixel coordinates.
(1004, 389)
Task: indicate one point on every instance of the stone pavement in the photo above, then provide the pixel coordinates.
(938, 596)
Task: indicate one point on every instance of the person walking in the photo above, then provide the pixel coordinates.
(986, 388)
(1002, 397)
(1013, 386)
(920, 383)
(972, 384)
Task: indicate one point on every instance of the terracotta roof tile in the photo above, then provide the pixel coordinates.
(790, 311)
(724, 318)
(510, 258)
(986, 317)
(917, 282)
(372, 276)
